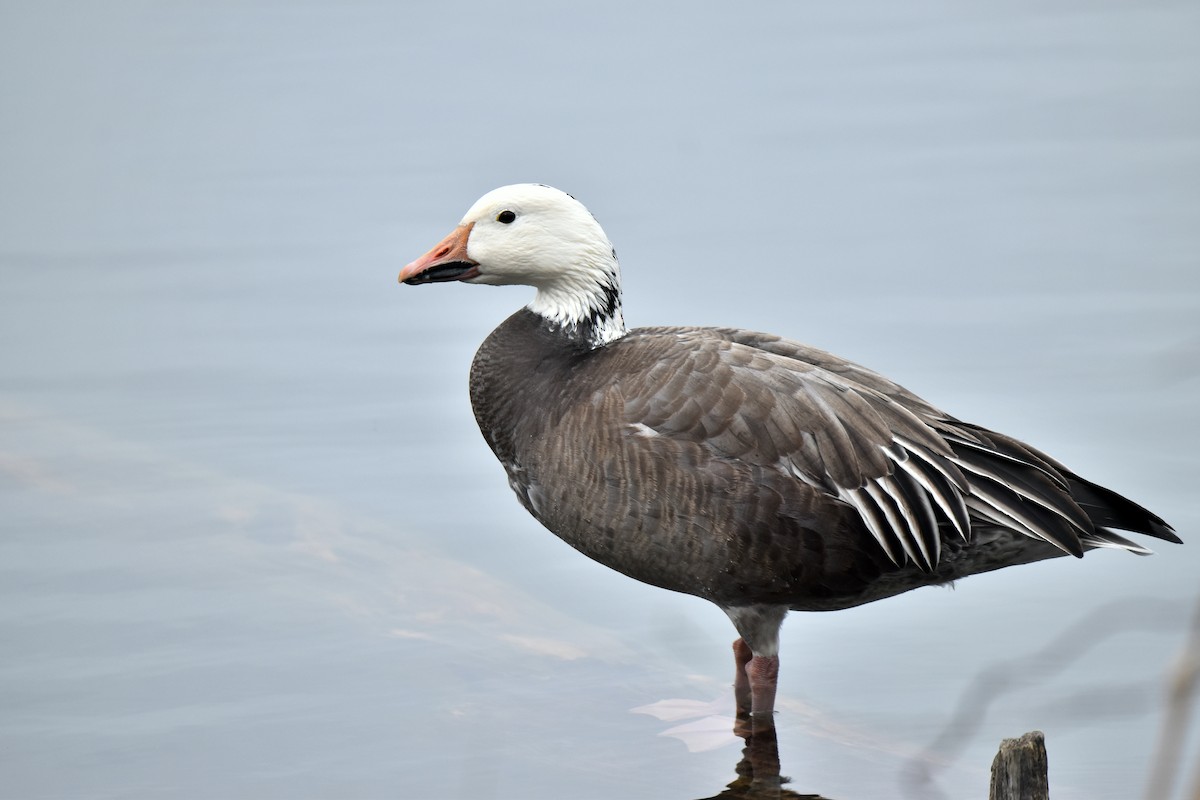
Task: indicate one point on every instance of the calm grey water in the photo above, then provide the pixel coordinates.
(254, 547)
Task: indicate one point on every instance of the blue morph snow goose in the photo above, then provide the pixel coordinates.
(750, 470)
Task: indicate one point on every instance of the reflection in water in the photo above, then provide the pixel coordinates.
(758, 775)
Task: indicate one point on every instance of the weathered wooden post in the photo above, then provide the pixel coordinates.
(1020, 770)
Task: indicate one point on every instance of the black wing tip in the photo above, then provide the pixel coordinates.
(1161, 530)
(1064, 538)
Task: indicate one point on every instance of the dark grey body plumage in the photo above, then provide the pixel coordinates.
(735, 466)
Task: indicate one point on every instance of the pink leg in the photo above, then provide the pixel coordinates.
(763, 674)
(754, 682)
(742, 694)
(757, 659)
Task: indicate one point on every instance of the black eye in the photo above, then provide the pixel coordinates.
(506, 217)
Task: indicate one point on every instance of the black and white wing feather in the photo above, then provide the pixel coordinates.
(912, 473)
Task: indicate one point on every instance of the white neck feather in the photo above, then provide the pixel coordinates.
(584, 300)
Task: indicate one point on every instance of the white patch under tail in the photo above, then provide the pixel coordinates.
(758, 625)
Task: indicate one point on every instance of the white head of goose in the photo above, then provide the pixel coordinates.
(747, 469)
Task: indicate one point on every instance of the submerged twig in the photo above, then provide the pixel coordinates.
(1181, 690)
